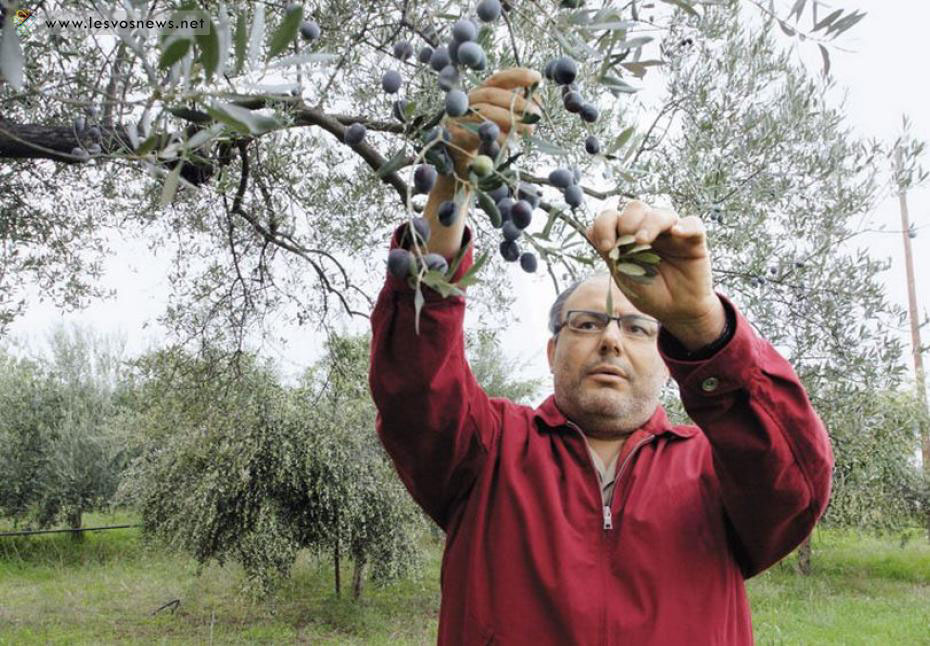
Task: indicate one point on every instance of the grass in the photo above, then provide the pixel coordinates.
(864, 590)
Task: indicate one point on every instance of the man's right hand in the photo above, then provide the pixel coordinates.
(499, 100)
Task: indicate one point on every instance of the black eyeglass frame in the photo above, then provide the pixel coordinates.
(619, 319)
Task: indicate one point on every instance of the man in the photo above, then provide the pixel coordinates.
(591, 519)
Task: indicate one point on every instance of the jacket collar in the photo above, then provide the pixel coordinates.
(550, 415)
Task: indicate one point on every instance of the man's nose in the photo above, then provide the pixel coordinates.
(612, 338)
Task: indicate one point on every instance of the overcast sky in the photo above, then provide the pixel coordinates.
(884, 72)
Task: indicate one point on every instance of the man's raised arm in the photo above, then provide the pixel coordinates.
(771, 453)
(435, 421)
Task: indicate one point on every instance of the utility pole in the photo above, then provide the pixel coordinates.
(919, 376)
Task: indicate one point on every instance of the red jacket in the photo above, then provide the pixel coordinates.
(530, 556)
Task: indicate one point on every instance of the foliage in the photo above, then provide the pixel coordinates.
(61, 442)
(495, 371)
(263, 471)
(877, 484)
(215, 136)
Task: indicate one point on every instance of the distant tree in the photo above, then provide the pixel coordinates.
(252, 471)
(61, 443)
(496, 371)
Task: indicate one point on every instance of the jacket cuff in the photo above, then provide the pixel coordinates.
(729, 369)
(400, 241)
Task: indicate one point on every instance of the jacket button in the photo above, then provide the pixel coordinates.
(710, 384)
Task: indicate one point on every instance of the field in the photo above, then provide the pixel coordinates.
(864, 590)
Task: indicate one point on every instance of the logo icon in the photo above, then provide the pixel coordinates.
(20, 19)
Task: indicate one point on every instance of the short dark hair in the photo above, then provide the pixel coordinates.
(555, 312)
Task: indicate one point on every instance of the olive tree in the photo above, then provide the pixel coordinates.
(62, 447)
(240, 467)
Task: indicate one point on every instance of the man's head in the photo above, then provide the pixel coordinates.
(581, 356)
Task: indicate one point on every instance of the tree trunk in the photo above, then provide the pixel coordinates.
(336, 565)
(804, 557)
(74, 521)
(357, 578)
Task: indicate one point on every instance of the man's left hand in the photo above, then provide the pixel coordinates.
(681, 297)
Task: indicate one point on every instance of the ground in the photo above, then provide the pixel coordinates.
(864, 590)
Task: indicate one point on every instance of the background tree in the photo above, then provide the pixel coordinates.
(263, 470)
(495, 371)
(61, 437)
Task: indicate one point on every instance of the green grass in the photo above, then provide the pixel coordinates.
(864, 590)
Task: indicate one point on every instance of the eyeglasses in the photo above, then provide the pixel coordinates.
(632, 326)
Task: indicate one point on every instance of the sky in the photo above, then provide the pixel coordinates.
(881, 70)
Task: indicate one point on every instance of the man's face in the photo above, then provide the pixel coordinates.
(605, 405)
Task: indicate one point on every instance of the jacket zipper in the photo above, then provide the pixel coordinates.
(605, 509)
(608, 518)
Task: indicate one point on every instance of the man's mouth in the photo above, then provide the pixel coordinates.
(608, 372)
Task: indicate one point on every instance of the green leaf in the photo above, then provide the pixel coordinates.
(194, 116)
(417, 307)
(209, 45)
(610, 26)
(828, 20)
(489, 207)
(222, 35)
(11, 53)
(633, 43)
(170, 187)
(630, 269)
(648, 257)
(626, 239)
(617, 83)
(174, 48)
(241, 119)
(257, 35)
(147, 146)
(639, 68)
(396, 162)
(845, 23)
(470, 277)
(546, 146)
(286, 31)
(622, 138)
(241, 39)
(203, 136)
(826, 59)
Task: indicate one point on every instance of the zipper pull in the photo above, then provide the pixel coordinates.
(607, 518)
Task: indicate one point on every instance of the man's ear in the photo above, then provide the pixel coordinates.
(550, 351)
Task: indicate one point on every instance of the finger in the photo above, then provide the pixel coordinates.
(505, 99)
(513, 77)
(690, 228)
(631, 218)
(501, 117)
(654, 223)
(603, 231)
